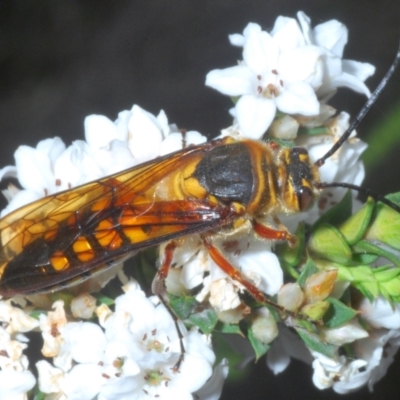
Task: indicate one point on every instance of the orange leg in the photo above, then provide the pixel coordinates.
(158, 285)
(273, 234)
(230, 270)
(158, 288)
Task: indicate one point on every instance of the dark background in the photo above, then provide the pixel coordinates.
(62, 60)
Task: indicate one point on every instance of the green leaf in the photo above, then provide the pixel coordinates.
(235, 354)
(338, 313)
(228, 328)
(319, 130)
(364, 258)
(386, 273)
(354, 227)
(394, 198)
(39, 395)
(259, 347)
(315, 310)
(309, 269)
(36, 314)
(206, 320)
(182, 306)
(235, 99)
(362, 277)
(337, 214)
(281, 142)
(103, 299)
(313, 342)
(378, 249)
(327, 242)
(64, 296)
(385, 226)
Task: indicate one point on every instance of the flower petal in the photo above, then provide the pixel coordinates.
(302, 64)
(145, 135)
(99, 131)
(236, 39)
(287, 33)
(233, 81)
(380, 313)
(15, 384)
(260, 52)
(259, 260)
(298, 98)
(254, 115)
(35, 165)
(350, 81)
(332, 35)
(358, 69)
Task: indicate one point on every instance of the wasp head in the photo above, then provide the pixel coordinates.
(297, 179)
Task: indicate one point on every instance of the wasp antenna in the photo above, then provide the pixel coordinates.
(362, 112)
(367, 192)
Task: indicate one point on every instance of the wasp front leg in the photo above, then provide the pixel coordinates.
(273, 234)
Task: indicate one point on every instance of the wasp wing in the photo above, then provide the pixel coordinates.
(66, 237)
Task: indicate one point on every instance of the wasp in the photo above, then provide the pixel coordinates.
(216, 187)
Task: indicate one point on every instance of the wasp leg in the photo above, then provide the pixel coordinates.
(274, 234)
(158, 288)
(230, 270)
(158, 285)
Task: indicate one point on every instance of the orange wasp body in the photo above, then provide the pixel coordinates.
(65, 238)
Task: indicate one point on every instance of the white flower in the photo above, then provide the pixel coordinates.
(14, 385)
(330, 372)
(288, 70)
(372, 357)
(49, 377)
(135, 354)
(212, 389)
(145, 333)
(331, 37)
(15, 378)
(16, 319)
(343, 334)
(34, 171)
(378, 350)
(380, 313)
(83, 306)
(50, 326)
(135, 137)
(269, 79)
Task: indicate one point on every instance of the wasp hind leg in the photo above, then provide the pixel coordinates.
(158, 288)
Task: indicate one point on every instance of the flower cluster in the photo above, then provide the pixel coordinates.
(291, 69)
(280, 91)
(135, 352)
(135, 137)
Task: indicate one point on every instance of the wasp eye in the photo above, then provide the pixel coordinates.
(305, 197)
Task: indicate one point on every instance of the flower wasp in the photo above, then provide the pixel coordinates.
(211, 188)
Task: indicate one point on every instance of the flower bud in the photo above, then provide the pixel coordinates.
(291, 297)
(319, 286)
(264, 327)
